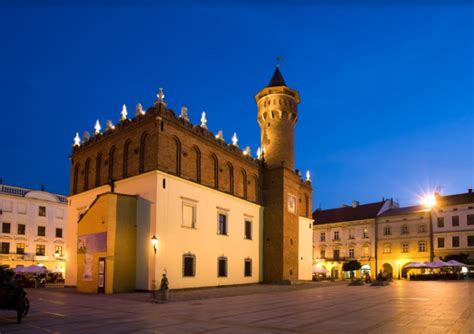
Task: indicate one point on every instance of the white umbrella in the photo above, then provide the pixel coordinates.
(319, 270)
(454, 263)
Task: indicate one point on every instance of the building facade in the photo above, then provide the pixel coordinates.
(453, 225)
(221, 217)
(33, 228)
(347, 233)
(403, 236)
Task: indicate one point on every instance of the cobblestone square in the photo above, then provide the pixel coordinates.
(402, 307)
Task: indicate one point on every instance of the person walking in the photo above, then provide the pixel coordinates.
(164, 289)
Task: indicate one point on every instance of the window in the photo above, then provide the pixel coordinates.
(322, 254)
(405, 247)
(222, 224)
(404, 229)
(336, 235)
(189, 215)
(58, 250)
(387, 230)
(21, 229)
(189, 265)
(351, 234)
(6, 228)
(59, 233)
(455, 241)
(336, 254)
(440, 221)
(222, 267)
(248, 230)
(365, 251)
(42, 211)
(365, 234)
(5, 248)
(455, 221)
(20, 248)
(41, 231)
(40, 250)
(421, 228)
(351, 253)
(387, 248)
(440, 242)
(422, 246)
(470, 219)
(322, 236)
(470, 240)
(248, 268)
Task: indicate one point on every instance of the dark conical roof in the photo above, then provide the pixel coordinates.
(277, 79)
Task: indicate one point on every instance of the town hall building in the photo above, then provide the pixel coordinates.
(218, 215)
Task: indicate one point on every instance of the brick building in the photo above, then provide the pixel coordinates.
(220, 216)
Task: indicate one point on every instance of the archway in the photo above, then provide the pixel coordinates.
(388, 269)
(335, 272)
(365, 269)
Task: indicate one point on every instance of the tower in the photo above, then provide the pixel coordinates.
(286, 197)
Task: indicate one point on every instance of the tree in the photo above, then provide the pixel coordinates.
(351, 266)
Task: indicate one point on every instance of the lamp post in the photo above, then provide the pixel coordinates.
(398, 269)
(154, 243)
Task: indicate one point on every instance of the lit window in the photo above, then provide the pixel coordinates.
(387, 230)
(351, 253)
(58, 249)
(40, 250)
(20, 248)
(365, 251)
(404, 229)
(366, 233)
(387, 248)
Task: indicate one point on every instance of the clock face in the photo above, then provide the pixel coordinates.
(291, 203)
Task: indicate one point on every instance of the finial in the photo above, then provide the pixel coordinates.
(235, 139)
(203, 120)
(259, 153)
(184, 114)
(247, 151)
(160, 95)
(220, 135)
(124, 113)
(308, 176)
(279, 59)
(139, 110)
(86, 136)
(109, 125)
(77, 140)
(97, 128)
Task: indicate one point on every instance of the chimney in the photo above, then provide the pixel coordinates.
(469, 190)
(355, 204)
(42, 187)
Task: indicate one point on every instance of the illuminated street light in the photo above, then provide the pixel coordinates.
(429, 201)
(154, 243)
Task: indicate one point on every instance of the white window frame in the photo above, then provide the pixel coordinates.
(193, 206)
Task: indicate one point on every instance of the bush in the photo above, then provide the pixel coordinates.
(351, 266)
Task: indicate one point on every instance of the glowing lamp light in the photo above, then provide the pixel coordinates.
(154, 242)
(235, 139)
(429, 201)
(203, 120)
(308, 176)
(97, 127)
(77, 140)
(124, 113)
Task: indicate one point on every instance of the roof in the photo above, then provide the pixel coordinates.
(277, 78)
(25, 192)
(456, 199)
(347, 213)
(405, 211)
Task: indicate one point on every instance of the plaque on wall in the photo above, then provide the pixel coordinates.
(291, 203)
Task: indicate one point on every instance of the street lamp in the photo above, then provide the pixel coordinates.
(398, 269)
(154, 243)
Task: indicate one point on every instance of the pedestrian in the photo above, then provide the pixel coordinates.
(384, 276)
(164, 289)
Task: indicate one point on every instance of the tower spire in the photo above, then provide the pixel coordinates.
(277, 78)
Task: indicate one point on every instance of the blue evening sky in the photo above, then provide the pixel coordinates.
(386, 89)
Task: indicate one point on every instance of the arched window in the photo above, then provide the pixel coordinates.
(98, 162)
(257, 188)
(178, 155)
(306, 205)
(86, 174)
(76, 179)
(231, 177)
(111, 164)
(125, 158)
(141, 167)
(244, 183)
(216, 170)
(198, 164)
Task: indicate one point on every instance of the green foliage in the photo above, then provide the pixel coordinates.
(351, 265)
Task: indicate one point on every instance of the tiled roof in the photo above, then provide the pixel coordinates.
(456, 199)
(364, 211)
(405, 211)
